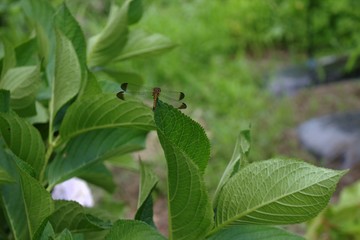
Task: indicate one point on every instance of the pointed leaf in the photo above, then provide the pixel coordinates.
(135, 11)
(135, 230)
(106, 46)
(4, 101)
(23, 139)
(25, 202)
(44, 232)
(91, 148)
(104, 111)
(186, 150)
(71, 215)
(276, 191)
(254, 232)
(9, 60)
(142, 44)
(238, 160)
(145, 203)
(67, 75)
(23, 84)
(5, 177)
(64, 235)
(25, 53)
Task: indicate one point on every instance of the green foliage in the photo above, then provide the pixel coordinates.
(56, 73)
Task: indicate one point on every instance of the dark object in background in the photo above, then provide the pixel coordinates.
(333, 138)
(288, 81)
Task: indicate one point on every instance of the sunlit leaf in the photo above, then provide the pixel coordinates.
(276, 191)
(23, 84)
(104, 111)
(135, 230)
(141, 44)
(9, 60)
(23, 139)
(187, 151)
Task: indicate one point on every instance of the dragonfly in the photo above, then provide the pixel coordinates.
(174, 98)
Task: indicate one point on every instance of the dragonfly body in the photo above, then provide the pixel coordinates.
(155, 93)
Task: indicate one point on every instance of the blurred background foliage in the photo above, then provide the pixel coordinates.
(225, 51)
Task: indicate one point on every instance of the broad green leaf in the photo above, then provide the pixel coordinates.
(23, 84)
(71, 215)
(90, 86)
(145, 203)
(100, 176)
(23, 139)
(186, 150)
(71, 29)
(4, 101)
(91, 148)
(104, 111)
(277, 191)
(134, 230)
(64, 235)
(238, 160)
(67, 75)
(5, 176)
(25, 202)
(142, 44)
(105, 46)
(9, 60)
(254, 232)
(42, 114)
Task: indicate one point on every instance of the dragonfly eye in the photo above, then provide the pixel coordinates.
(124, 86)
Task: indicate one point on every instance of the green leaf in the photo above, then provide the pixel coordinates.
(238, 160)
(45, 231)
(141, 44)
(67, 75)
(25, 202)
(91, 148)
(90, 87)
(72, 216)
(254, 232)
(42, 114)
(122, 77)
(100, 176)
(5, 177)
(135, 11)
(145, 203)
(4, 101)
(23, 84)
(275, 191)
(9, 60)
(105, 46)
(65, 235)
(134, 230)
(23, 139)
(187, 151)
(71, 29)
(104, 111)
(25, 53)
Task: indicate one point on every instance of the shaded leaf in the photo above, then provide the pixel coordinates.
(91, 148)
(25, 53)
(23, 84)
(135, 11)
(72, 216)
(100, 176)
(4, 101)
(130, 229)
(254, 232)
(186, 150)
(141, 44)
(275, 191)
(25, 202)
(5, 176)
(45, 231)
(9, 60)
(23, 139)
(145, 202)
(104, 111)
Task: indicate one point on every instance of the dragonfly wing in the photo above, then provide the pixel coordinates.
(121, 95)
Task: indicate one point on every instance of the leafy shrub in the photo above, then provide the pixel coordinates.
(58, 120)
